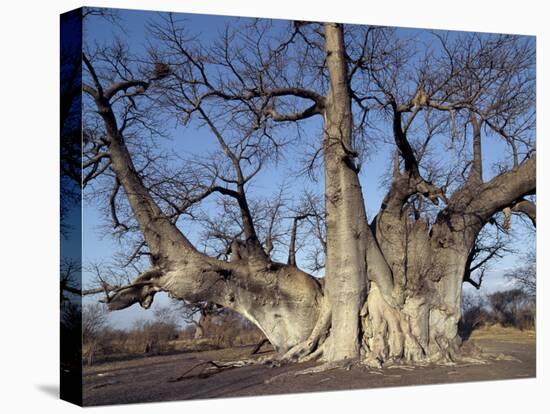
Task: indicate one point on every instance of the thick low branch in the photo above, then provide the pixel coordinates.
(141, 290)
(471, 207)
(528, 208)
(503, 190)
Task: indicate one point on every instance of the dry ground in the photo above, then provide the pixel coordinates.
(160, 378)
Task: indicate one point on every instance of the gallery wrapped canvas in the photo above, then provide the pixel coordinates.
(259, 206)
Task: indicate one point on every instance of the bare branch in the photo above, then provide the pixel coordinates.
(528, 208)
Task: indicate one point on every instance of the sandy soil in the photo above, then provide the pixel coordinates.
(166, 378)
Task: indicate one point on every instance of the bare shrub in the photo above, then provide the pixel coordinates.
(512, 308)
(474, 314)
(153, 337)
(94, 320)
(525, 277)
(509, 308)
(228, 328)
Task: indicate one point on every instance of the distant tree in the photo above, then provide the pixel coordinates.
(94, 320)
(152, 336)
(512, 308)
(475, 313)
(524, 277)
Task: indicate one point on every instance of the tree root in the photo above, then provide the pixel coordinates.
(446, 354)
(372, 362)
(473, 356)
(209, 368)
(259, 346)
(313, 347)
(304, 351)
(328, 366)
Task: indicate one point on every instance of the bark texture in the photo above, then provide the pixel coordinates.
(346, 220)
(419, 321)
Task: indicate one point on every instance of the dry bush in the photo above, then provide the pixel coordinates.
(513, 308)
(163, 334)
(152, 337)
(509, 308)
(94, 320)
(187, 333)
(524, 277)
(474, 314)
(228, 328)
(101, 342)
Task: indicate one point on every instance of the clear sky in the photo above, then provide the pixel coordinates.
(98, 247)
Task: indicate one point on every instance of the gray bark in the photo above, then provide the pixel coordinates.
(346, 220)
(428, 266)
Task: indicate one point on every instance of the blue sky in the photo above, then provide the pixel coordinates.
(98, 247)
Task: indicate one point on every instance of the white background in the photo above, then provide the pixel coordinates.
(29, 187)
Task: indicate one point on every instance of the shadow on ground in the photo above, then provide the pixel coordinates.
(49, 389)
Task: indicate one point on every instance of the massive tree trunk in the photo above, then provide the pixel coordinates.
(421, 323)
(345, 212)
(428, 264)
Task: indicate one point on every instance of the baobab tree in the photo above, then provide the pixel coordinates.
(392, 285)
